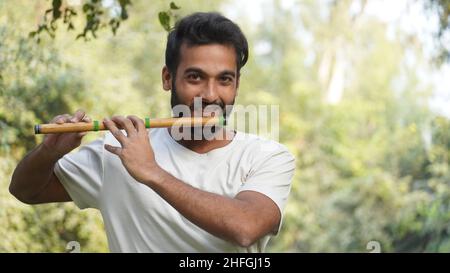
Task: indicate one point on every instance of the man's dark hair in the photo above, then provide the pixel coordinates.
(202, 28)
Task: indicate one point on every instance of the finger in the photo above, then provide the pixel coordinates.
(111, 126)
(62, 118)
(56, 119)
(137, 123)
(79, 114)
(126, 124)
(115, 150)
(86, 119)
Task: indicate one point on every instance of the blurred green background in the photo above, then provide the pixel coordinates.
(363, 107)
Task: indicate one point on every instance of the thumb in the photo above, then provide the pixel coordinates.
(112, 149)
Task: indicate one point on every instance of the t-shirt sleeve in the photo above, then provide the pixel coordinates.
(81, 174)
(272, 175)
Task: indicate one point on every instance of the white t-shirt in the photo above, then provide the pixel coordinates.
(137, 219)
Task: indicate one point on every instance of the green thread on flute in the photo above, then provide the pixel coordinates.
(221, 121)
(147, 122)
(96, 126)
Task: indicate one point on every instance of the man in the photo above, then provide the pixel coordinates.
(158, 194)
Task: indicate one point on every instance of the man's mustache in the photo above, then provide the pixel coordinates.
(209, 108)
(215, 107)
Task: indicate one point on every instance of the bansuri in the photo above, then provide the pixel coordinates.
(53, 128)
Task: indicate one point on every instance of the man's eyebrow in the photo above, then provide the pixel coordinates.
(200, 71)
(228, 73)
(194, 69)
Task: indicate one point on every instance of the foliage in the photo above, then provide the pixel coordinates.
(165, 16)
(372, 157)
(98, 15)
(35, 86)
(442, 9)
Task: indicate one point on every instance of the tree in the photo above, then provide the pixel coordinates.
(362, 157)
(97, 14)
(35, 86)
(372, 163)
(60, 75)
(442, 9)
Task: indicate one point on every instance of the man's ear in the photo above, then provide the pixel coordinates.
(166, 78)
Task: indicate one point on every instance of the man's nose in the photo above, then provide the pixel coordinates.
(210, 93)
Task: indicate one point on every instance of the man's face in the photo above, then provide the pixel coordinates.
(208, 72)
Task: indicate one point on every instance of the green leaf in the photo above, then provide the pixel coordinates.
(86, 7)
(124, 3)
(56, 4)
(124, 14)
(173, 6)
(164, 20)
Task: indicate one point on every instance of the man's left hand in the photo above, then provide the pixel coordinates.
(136, 152)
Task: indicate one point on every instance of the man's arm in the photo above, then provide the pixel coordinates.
(33, 180)
(243, 219)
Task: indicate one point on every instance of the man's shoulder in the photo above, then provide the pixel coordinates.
(260, 145)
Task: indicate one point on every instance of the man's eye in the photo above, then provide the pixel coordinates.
(226, 79)
(194, 77)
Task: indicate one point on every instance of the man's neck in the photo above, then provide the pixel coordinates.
(222, 138)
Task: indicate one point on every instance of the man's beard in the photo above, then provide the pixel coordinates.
(218, 104)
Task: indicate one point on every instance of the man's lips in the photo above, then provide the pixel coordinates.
(207, 113)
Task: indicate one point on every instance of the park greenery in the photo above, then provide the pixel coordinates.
(372, 155)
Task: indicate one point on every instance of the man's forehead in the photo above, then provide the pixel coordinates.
(219, 56)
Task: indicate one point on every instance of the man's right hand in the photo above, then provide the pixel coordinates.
(33, 180)
(60, 144)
